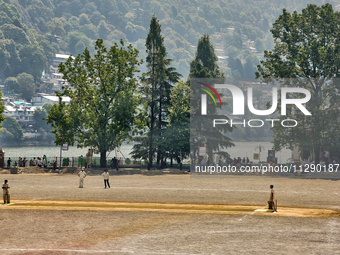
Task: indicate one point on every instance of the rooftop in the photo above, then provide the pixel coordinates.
(56, 99)
(62, 56)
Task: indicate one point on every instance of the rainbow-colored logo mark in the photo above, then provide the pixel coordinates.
(204, 98)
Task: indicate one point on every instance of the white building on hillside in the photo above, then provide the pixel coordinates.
(41, 98)
(60, 58)
(22, 113)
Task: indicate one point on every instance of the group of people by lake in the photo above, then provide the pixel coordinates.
(241, 161)
(23, 162)
(234, 161)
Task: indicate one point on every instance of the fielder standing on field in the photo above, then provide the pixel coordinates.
(82, 176)
(106, 178)
(5, 191)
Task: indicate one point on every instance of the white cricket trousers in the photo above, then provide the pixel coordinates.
(81, 182)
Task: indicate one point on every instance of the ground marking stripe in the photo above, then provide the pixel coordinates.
(205, 189)
(99, 251)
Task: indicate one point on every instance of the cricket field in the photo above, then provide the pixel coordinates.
(169, 214)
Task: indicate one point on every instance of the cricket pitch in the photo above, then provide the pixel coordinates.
(169, 214)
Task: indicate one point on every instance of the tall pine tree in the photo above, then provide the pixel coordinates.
(156, 86)
(205, 64)
(201, 131)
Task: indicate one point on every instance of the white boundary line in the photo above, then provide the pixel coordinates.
(206, 189)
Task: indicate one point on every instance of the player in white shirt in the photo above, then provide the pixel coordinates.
(106, 178)
(82, 176)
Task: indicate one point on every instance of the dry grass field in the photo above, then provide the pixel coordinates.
(169, 214)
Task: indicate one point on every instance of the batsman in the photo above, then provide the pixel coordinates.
(5, 191)
(271, 204)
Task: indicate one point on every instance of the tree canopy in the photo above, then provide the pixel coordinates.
(307, 46)
(103, 106)
(205, 66)
(155, 89)
(11, 131)
(178, 132)
(183, 22)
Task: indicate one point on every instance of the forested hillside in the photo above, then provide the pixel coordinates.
(32, 31)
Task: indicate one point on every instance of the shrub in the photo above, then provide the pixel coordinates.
(66, 161)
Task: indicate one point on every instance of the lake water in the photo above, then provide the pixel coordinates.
(247, 149)
(241, 149)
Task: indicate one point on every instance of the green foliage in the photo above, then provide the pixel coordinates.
(23, 84)
(89, 30)
(134, 32)
(37, 9)
(233, 40)
(19, 47)
(155, 89)
(103, 106)
(2, 109)
(56, 27)
(14, 33)
(309, 42)
(84, 19)
(127, 161)
(116, 35)
(113, 20)
(103, 30)
(259, 45)
(33, 60)
(75, 38)
(4, 19)
(10, 10)
(49, 51)
(39, 117)
(236, 67)
(26, 86)
(11, 84)
(66, 161)
(205, 66)
(47, 107)
(178, 133)
(11, 130)
(10, 60)
(6, 135)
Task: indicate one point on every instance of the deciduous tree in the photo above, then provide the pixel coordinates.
(103, 106)
(11, 130)
(26, 86)
(307, 49)
(178, 132)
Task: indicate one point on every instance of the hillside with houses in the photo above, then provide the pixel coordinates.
(37, 35)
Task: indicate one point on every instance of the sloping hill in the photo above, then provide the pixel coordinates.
(238, 28)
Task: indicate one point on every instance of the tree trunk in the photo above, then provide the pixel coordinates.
(159, 149)
(317, 154)
(152, 118)
(151, 139)
(103, 159)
